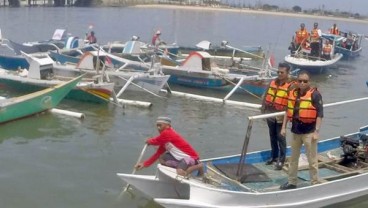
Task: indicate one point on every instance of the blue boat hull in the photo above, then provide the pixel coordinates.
(13, 62)
(257, 87)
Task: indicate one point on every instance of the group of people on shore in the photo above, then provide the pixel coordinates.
(311, 44)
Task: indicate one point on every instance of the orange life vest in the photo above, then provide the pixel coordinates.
(301, 35)
(277, 95)
(334, 31)
(314, 35)
(327, 49)
(307, 112)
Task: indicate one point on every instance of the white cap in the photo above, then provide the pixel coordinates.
(158, 32)
(163, 119)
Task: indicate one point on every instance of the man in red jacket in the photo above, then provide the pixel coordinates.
(173, 150)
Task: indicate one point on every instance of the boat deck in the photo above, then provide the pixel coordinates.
(259, 177)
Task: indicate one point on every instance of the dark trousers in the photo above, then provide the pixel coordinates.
(314, 50)
(278, 142)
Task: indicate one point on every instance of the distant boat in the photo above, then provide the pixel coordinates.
(314, 65)
(349, 44)
(36, 102)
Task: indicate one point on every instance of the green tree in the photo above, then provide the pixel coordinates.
(297, 9)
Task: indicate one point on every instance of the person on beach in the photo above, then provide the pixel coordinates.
(91, 38)
(275, 100)
(301, 37)
(173, 150)
(315, 38)
(334, 30)
(305, 112)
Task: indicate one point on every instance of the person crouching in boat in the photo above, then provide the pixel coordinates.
(326, 50)
(173, 150)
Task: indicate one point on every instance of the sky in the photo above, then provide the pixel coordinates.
(352, 6)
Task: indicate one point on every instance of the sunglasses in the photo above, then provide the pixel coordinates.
(303, 81)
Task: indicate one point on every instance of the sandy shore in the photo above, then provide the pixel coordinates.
(248, 11)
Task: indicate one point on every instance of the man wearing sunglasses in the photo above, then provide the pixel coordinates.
(305, 111)
(173, 150)
(275, 100)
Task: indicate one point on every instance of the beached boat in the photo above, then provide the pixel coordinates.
(244, 180)
(36, 102)
(315, 65)
(200, 70)
(349, 44)
(41, 75)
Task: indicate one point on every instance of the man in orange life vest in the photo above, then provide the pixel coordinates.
(334, 30)
(305, 111)
(275, 100)
(301, 37)
(326, 50)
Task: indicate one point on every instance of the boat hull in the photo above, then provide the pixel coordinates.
(315, 66)
(13, 62)
(19, 107)
(207, 81)
(87, 93)
(335, 186)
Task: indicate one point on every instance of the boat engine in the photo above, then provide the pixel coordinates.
(350, 149)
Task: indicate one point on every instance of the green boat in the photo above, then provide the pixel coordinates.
(36, 102)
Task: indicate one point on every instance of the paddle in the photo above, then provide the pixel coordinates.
(134, 169)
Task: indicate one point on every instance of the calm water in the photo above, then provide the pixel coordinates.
(57, 161)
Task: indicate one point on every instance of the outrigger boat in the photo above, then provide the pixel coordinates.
(315, 65)
(36, 102)
(200, 70)
(41, 75)
(244, 180)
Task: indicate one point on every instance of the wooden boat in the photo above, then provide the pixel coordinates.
(349, 44)
(312, 64)
(200, 70)
(244, 180)
(225, 50)
(41, 75)
(36, 102)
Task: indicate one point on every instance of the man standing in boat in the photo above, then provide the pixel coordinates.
(156, 39)
(334, 30)
(173, 150)
(305, 111)
(301, 37)
(315, 38)
(91, 38)
(275, 100)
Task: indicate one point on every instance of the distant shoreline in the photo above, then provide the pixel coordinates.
(248, 11)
